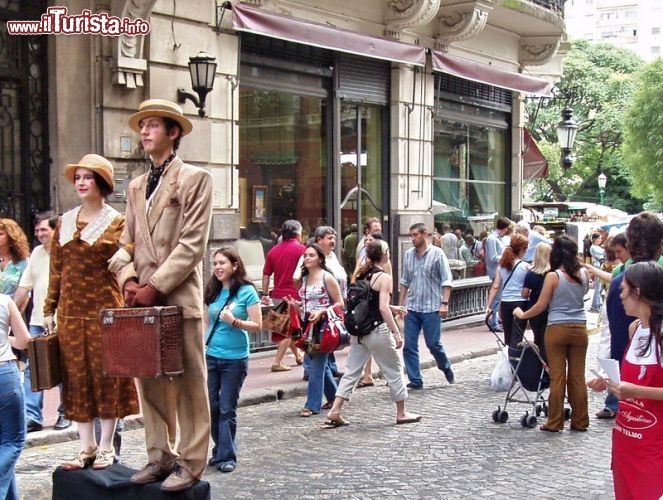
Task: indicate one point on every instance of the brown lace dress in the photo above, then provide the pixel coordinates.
(80, 285)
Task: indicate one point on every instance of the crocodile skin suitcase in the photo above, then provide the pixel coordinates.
(44, 359)
(142, 342)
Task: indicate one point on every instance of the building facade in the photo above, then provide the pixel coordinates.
(327, 111)
(634, 24)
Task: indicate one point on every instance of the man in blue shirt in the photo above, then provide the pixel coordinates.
(424, 290)
(493, 249)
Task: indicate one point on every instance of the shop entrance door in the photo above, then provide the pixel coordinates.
(362, 157)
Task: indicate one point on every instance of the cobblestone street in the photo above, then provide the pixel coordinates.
(455, 452)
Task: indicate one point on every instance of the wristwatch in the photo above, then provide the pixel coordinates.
(445, 302)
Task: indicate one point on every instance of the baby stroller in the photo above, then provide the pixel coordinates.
(530, 375)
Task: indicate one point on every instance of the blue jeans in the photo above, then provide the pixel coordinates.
(611, 402)
(332, 363)
(320, 381)
(12, 428)
(596, 300)
(34, 401)
(432, 327)
(225, 378)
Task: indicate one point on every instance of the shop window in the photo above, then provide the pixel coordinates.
(470, 175)
(282, 161)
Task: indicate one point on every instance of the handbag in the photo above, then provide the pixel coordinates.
(295, 326)
(338, 331)
(306, 342)
(44, 359)
(277, 319)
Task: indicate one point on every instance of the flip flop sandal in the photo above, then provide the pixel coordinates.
(409, 420)
(362, 384)
(328, 405)
(332, 424)
(305, 413)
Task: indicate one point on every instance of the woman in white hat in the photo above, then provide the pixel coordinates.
(80, 285)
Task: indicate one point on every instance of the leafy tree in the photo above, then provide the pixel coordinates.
(643, 141)
(597, 84)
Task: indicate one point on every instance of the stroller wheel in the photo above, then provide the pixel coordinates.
(503, 417)
(496, 416)
(531, 421)
(523, 420)
(567, 413)
(538, 409)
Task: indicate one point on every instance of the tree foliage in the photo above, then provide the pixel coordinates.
(598, 83)
(643, 141)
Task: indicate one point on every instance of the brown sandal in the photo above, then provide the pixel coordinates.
(328, 405)
(305, 413)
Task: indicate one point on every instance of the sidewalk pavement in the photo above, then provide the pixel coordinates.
(463, 338)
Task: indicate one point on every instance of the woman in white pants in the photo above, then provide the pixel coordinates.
(382, 343)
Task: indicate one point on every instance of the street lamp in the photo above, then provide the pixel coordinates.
(602, 179)
(566, 136)
(202, 69)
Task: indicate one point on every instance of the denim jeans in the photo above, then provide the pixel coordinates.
(225, 378)
(320, 381)
(611, 402)
(34, 401)
(596, 300)
(432, 327)
(12, 428)
(332, 363)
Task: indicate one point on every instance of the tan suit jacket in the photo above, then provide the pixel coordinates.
(169, 241)
(170, 238)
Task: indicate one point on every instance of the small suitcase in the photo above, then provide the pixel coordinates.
(44, 359)
(142, 342)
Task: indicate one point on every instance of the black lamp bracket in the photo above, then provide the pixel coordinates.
(220, 10)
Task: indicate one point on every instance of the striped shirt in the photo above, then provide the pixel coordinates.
(424, 278)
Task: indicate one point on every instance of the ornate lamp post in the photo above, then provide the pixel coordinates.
(602, 179)
(566, 136)
(202, 69)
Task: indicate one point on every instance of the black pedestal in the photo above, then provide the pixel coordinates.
(113, 484)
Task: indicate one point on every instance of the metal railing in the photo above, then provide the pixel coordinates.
(468, 297)
(554, 5)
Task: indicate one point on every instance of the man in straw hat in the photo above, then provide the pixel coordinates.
(168, 216)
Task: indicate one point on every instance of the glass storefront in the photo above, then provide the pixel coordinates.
(282, 154)
(470, 175)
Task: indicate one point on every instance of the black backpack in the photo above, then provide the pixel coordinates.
(362, 313)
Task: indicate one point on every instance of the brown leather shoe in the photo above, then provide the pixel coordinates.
(151, 473)
(179, 480)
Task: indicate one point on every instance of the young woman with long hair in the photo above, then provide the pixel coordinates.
(233, 310)
(14, 253)
(637, 437)
(566, 334)
(382, 343)
(508, 284)
(319, 290)
(532, 287)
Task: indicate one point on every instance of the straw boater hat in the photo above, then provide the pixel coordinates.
(160, 107)
(95, 163)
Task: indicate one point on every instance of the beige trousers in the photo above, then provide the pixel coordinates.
(179, 401)
(381, 345)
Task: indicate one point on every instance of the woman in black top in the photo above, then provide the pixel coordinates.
(532, 289)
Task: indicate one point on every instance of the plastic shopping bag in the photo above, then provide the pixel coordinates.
(502, 375)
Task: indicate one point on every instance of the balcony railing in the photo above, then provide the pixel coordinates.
(556, 6)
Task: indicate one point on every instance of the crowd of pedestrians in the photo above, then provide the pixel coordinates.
(93, 257)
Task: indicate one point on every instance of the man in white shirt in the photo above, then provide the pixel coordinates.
(35, 279)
